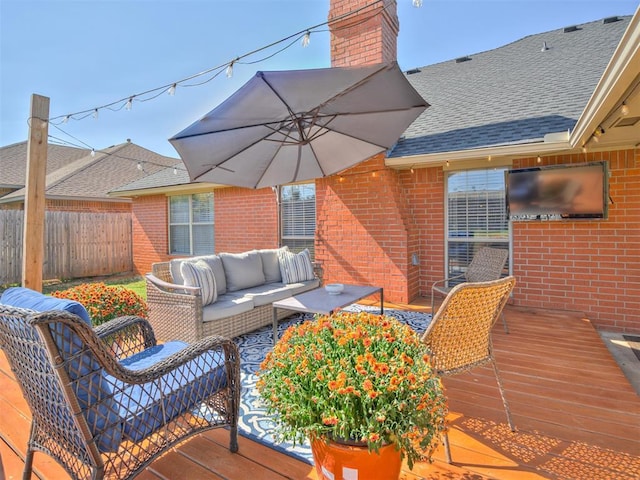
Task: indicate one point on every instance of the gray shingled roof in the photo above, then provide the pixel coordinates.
(93, 177)
(13, 161)
(164, 178)
(514, 94)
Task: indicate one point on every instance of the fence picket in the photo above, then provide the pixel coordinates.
(77, 244)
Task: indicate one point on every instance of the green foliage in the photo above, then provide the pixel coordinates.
(355, 376)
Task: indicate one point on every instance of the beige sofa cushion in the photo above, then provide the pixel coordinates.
(212, 260)
(242, 270)
(271, 264)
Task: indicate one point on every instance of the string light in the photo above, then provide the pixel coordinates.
(412, 170)
(139, 166)
(539, 159)
(93, 152)
(129, 104)
(215, 71)
(306, 39)
(175, 170)
(229, 72)
(624, 109)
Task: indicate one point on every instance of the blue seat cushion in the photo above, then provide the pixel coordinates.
(90, 386)
(146, 407)
(26, 298)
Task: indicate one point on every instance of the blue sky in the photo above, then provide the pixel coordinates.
(84, 54)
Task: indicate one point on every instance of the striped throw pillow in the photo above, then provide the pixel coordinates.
(199, 274)
(295, 267)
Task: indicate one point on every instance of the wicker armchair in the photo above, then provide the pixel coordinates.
(487, 264)
(108, 401)
(459, 336)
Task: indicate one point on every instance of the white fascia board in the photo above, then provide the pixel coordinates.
(554, 142)
(170, 190)
(619, 74)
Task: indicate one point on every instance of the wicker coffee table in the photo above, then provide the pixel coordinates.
(319, 301)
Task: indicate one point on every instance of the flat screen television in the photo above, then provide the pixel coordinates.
(558, 192)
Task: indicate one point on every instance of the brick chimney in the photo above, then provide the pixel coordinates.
(365, 231)
(366, 37)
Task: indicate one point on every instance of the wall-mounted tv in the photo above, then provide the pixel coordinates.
(558, 192)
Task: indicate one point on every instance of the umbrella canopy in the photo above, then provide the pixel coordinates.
(289, 126)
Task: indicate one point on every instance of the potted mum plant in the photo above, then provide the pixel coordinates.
(354, 380)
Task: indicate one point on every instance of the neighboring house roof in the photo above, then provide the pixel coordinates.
(515, 94)
(13, 161)
(176, 175)
(92, 177)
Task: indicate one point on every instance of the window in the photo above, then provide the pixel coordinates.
(476, 216)
(191, 224)
(298, 216)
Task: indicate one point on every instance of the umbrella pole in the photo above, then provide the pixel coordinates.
(276, 190)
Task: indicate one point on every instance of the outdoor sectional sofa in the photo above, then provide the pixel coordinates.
(240, 300)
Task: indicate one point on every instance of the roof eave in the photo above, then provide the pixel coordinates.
(620, 73)
(555, 142)
(168, 190)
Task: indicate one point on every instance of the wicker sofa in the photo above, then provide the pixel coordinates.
(246, 285)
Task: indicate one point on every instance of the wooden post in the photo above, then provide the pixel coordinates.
(34, 198)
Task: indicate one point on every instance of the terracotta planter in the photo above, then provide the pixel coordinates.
(338, 461)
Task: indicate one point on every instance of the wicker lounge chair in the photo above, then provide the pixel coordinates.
(459, 336)
(108, 401)
(487, 264)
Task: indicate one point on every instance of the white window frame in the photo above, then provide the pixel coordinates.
(191, 224)
(489, 237)
(302, 236)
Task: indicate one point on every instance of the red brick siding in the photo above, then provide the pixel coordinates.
(587, 266)
(150, 225)
(245, 219)
(87, 206)
(365, 38)
(364, 231)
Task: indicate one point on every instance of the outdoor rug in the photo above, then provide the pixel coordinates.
(254, 422)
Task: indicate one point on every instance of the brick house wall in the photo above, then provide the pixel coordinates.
(371, 220)
(243, 220)
(587, 266)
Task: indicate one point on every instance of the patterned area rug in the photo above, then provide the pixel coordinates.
(254, 422)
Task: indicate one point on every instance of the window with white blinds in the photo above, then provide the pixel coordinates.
(476, 215)
(298, 216)
(191, 224)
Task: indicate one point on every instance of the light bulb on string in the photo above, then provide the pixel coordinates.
(417, 3)
(139, 166)
(93, 152)
(539, 159)
(175, 170)
(66, 119)
(172, 90)
(229, 72)
(129, 104)
(306, 39)
(624, 109)
(95, 114)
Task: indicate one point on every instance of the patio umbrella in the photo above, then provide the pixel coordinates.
(289, 126)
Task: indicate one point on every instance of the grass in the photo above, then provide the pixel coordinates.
(135, 283)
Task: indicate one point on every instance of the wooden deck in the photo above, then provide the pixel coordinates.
(576, 414)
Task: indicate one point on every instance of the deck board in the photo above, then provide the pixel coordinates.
(576, 416)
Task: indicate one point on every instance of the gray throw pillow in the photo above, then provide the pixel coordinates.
(242, 270)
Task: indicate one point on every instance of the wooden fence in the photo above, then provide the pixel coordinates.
(77, 244)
